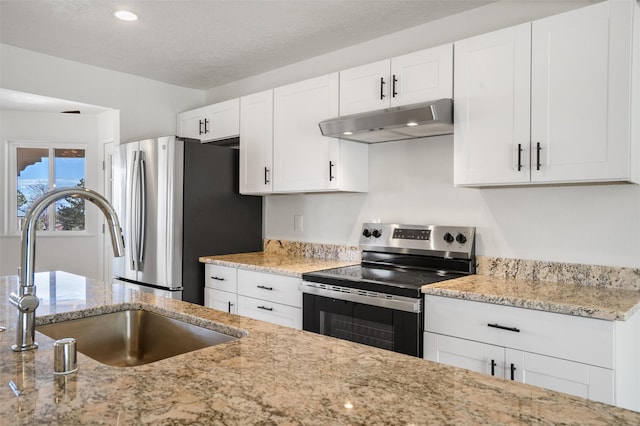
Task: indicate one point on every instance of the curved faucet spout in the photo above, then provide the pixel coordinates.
(27, 302)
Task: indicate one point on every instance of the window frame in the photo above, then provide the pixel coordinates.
(12, 184)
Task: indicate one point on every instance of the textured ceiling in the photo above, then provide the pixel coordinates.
(204, 44)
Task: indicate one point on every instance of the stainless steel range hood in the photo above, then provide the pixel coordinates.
(393, 124)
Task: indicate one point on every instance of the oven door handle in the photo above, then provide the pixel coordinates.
(398, 303)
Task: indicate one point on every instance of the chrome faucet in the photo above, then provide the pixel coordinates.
(26, 301)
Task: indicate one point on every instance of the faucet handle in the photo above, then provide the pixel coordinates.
(26, 303)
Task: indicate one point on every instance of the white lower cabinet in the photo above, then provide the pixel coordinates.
(221, 300)
(270, 297)
(586, 381)
(275, 313)
(221, 288)
(263, 296)
(586, 357)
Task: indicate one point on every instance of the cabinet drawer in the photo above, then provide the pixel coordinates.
(274, 313)
(563, 336)
(220, 278)
(270, 287)
(221, 300)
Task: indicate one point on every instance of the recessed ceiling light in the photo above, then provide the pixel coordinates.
(125, 15)
(412, 123)
(347, 133)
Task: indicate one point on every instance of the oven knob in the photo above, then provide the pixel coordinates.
(448, 237)
(366, 233)
(376, 233)
(461, 238)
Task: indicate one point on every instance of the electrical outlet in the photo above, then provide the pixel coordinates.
(298, 223)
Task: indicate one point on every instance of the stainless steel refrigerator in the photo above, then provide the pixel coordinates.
(177, 200)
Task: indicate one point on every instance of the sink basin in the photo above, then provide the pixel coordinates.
(133, 337)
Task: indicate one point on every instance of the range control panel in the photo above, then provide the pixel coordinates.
(446, 241)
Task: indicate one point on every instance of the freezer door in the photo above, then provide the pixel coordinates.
(123, 191)
(159, 232)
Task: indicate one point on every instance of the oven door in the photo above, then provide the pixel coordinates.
(382, 327)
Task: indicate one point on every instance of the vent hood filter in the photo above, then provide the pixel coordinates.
(393, 124)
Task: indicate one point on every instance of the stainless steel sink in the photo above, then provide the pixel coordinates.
(133, 337)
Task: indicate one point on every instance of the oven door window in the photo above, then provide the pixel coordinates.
(370, 325)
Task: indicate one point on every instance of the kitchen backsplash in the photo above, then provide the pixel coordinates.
(315, 250)
(593, 275)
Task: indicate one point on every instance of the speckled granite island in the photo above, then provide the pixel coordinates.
(273, 375)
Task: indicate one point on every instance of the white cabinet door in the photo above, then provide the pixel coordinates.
(492, 107)
(579, 80)
(270, 287)
(365, 88)
(572, 70)
(212, 122)
(462, 353)
(193, 124)
(274, 313)
(256, 143)
(302, 156)
(415, 77)
(221, 300)
(225, 120)
(421, 76)
(222, 278)
(583, 380)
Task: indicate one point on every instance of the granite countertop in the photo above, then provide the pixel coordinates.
(283, 264)
(572, 299)
(274, 375)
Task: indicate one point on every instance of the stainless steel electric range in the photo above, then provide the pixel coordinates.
(379, 302)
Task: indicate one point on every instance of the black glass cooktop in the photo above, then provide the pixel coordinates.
(390, 280)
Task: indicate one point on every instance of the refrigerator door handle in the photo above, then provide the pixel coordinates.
(143, 209)
(133, 213)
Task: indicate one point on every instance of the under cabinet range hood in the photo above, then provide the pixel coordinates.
(393, 124)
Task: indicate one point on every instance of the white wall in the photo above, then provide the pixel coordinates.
(147, 108)
(411, 181)
(77, 254)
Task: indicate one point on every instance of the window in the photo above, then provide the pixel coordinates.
(39, 168)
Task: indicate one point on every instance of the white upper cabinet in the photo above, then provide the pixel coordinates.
(303, 159)
(492, 107)
(212, 122)
(415, 77)
(256, 143)
(546, 102)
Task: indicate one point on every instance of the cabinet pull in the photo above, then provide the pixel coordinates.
(513, 371)
(266, 175)
(230, 305)
(502, 327)
(393, 86)
(217, 278)
(382, 83)
(538, 149)
(206, 130)
(519, 157)
(265, 308)
(264, 287)
(493, 367)
(200, 127)
(331, 176)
